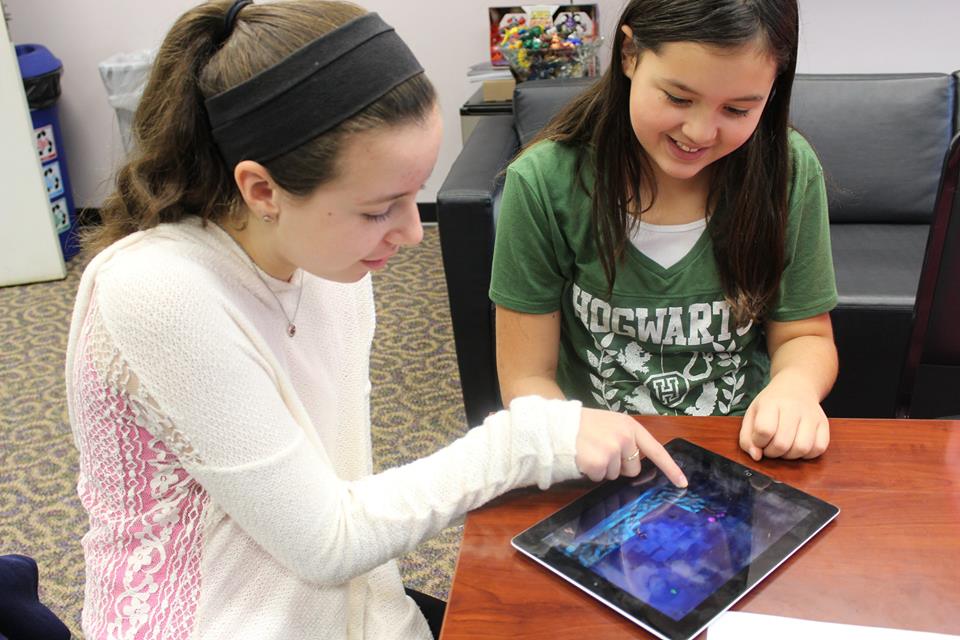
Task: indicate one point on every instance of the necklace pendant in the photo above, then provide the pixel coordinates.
(291, 329)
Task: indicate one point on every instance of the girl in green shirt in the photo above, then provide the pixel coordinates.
(663, 245)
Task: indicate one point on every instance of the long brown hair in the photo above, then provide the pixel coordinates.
(747, 203)
(176, 169)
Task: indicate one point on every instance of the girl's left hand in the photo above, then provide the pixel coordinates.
(785, 420)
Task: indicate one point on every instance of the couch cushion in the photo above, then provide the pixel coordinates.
(878, 265)
(881, 139)
(536, 102)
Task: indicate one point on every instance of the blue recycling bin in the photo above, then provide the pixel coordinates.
(41, 72)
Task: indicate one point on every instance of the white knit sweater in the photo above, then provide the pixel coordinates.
(226, 467)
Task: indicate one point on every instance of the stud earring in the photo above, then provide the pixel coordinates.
(269, 219)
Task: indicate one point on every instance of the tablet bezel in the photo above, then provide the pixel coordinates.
(531, 543)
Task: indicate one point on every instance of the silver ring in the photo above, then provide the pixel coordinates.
(636, 454)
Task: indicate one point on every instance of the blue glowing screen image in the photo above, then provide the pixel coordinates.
(671, 548)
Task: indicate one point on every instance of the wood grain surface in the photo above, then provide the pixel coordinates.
(890, 559)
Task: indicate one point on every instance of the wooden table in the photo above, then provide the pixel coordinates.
(890, 559)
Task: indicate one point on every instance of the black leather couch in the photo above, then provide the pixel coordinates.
(881, 139)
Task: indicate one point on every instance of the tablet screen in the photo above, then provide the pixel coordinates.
(673, 547)
(686, 553)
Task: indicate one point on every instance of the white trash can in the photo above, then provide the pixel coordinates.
(125, 75)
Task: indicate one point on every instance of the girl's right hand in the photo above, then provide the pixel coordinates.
(613, 444)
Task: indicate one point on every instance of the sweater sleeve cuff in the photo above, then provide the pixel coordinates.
(558, 422)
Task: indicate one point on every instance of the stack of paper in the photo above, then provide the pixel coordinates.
(736, 625)
(486, 71)
(498, 82)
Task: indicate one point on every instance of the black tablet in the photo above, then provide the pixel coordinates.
(671, 560)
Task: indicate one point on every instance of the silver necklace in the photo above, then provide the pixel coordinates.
(291, 320)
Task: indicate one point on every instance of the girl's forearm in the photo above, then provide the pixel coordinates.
(809, 361)
(533, 385)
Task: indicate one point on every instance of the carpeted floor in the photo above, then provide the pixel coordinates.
(417, 409)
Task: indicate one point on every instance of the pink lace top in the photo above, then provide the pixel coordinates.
(226, 467)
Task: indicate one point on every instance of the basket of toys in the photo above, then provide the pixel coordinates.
(560, 48)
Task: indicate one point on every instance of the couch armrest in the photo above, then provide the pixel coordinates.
(467, 221)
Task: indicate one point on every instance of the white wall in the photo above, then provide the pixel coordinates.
(29, 248)
(447, 36)
(879, 36)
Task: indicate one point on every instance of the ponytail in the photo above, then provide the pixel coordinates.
(176, 169)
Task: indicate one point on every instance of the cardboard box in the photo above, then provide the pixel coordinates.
(498, 90)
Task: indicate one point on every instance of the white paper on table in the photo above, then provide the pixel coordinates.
(737, 625)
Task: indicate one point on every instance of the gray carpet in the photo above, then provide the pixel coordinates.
(417, 409)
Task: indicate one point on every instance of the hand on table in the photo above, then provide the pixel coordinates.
(613, 444)
(785, 420)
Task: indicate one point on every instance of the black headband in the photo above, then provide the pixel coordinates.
(311, 91)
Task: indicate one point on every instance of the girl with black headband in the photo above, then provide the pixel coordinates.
(217, 366)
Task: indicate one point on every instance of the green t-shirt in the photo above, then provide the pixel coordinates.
(664, 341)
